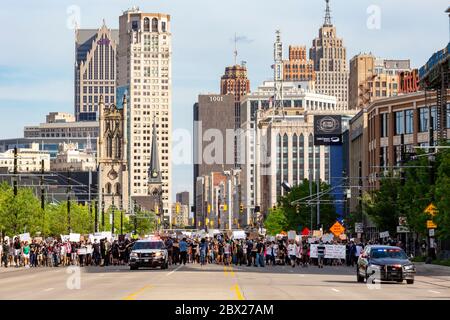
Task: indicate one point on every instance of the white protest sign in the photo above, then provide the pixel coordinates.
(332, 251)
(64, 237)
(312, 240)
(74, 237)
(291, 235)
(384, 234)
(25, 237)
(328, 237)
(239, 234)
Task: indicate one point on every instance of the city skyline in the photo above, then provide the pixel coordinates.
(35, 80)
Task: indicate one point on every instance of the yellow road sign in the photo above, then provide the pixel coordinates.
(431, 210)
(337, 229)
(431, 224)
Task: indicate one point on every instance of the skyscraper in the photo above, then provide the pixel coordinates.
(95, 70)
(330, 62)
(144, 73)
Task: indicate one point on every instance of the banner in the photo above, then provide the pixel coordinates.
(332, 251)
(327, 130)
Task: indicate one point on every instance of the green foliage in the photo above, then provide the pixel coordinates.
(276, 221)
(442, 187)
(393, 199)
(299, 215)
(382, 206)
(21, 213)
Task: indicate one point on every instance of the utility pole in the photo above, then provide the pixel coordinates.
(135, 217)
(68, 202)
(89, 195)
(121, 215)
(103, 209)
(15, 172)
(95, 217)
(112, 218)
(42, 195)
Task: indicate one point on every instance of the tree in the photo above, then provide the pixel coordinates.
(21, 213)
(442, 196)
(299, 215)
(382, 206)
(276, 221)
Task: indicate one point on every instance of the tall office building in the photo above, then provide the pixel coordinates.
(298, 67)
(144, 73)
(330, 62)
(95, 70)
(183, 198)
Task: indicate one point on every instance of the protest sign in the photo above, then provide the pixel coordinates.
(239, 234)
(74, 237)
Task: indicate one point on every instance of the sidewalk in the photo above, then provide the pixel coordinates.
(432, 269)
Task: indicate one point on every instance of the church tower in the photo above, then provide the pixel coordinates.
(154, 177)
(112, 155)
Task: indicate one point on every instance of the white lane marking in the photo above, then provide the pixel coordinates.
(335, 290)
(432, 291)
(48, 289)
(174, 270)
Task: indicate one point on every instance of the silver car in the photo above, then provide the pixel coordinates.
(149, 253)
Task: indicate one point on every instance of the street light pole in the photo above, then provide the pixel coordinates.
(68, 200)
(112, 219)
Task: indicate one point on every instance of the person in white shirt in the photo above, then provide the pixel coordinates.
(292, 252)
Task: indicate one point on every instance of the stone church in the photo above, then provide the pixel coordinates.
(112, 156)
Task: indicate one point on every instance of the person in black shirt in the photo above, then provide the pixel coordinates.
(249, 252)
(260, 248)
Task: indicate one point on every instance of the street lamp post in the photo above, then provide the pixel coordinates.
(112, 218)
(68, 198)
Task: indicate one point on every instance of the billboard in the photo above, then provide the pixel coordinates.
(327, 130)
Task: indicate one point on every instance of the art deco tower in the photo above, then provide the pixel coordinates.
(330, 62)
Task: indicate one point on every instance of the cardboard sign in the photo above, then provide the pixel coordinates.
(359, 227)
(317, 233)
(312, 240)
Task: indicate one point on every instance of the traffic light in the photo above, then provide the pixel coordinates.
(241, 208)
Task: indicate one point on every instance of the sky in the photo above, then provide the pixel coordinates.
(37, 55)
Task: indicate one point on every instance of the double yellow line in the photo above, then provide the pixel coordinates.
(133, 295)
(228, 270)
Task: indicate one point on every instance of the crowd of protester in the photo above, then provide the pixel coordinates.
(55, 253)
(220, 249)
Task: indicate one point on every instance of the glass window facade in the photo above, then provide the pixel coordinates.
(399, 123)
(409, 121)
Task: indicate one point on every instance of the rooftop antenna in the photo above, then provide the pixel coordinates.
(278, 74)
(235, 48)
(327, 14)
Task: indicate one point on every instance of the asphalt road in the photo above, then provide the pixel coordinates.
(215, 282)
